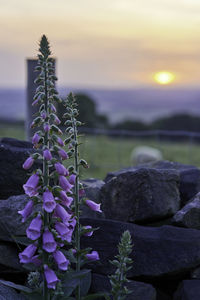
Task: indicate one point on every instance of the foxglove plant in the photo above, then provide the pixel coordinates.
(49, 226)
(54, 188)
(72, 141)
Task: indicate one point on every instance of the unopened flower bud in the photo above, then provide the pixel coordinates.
(46, 127)
(47, 154)
(28, 163)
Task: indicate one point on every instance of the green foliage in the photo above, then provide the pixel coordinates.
(44, 47)
(73, 279)
(182, 121)
(131, 125)
(121, 262)
(88, 115)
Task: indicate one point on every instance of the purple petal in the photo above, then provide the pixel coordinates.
(26, 212)
(49, 243)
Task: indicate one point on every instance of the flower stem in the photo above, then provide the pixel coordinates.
(77, 205)
(46, 179)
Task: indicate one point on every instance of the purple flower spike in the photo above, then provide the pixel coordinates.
(63, 155)
(90, 233)
(51, 277)
(36, 138)
(47, 154)
(49, 244)
(28, 163)
(64, 183)
(31, 186)
(26, 212)
(72, 179)
(26, 255)
(49, 203)
(61, 170)
(94, 206)
(93, 256)
(61, 260)
(60, 142)
(33, 231)
(61, 213)
(46, 127)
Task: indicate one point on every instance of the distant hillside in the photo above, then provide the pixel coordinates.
(140, 104)
(144, 104)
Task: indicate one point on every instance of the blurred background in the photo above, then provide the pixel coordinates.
(134, 65)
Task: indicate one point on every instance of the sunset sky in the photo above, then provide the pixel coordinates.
(103, 43)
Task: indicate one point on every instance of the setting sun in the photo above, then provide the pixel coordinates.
(164, 77)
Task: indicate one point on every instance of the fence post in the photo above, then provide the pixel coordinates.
(31, 87)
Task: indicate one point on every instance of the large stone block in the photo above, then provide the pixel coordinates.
(141, 195)
(13, 153)
(162, 251)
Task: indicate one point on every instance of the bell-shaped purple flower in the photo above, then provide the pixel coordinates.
(60, 142)
(69, 235)
(28, 163)
(31, 186)
(81, 192)
(36, 138)
(49, 203)
(61, 170)
(36, 261)
(51, 277)
(47, 154)
(26, 212)
(72, 223)
(63, 155)
(66, 200)
(72, 179)
(61, 213)
(89, 233)
(49, 244)
(34, 230)
(93, 256)
(27, 254)
(64, 183)
(64, 232)
(61, 260)
(94, 206)
(46, 127)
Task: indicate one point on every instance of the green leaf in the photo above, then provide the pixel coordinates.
(16, 286)
(33, 296)
(73, 279)
(23, 240)
(96, 296)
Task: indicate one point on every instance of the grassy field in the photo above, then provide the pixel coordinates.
(106, 154)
